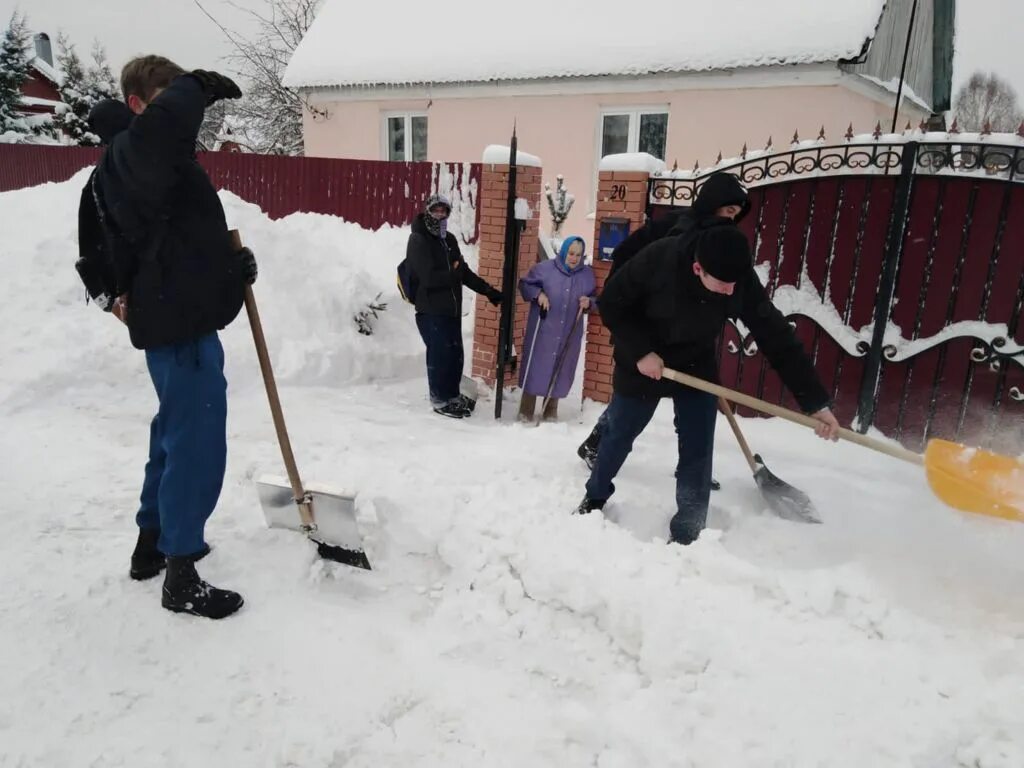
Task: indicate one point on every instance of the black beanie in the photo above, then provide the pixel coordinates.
(724, 253)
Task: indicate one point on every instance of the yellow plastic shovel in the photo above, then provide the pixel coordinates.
(969, 479)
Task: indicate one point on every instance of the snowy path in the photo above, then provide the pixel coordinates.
(496, 629)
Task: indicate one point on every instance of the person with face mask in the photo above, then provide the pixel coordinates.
(666, 308)
(558, 290)
(440, 272)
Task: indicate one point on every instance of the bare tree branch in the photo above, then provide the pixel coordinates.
(268, 119)
(987, 99)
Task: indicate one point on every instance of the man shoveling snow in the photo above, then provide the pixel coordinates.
(152, 233)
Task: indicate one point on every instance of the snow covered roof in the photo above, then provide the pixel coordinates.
(46, 69)
(459, 41)
(32, 101)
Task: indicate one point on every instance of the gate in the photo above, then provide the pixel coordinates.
(900, 263)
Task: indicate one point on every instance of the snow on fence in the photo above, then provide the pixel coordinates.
(370, 193)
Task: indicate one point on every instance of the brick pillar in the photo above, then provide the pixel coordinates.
(629, 190)
(493, 203)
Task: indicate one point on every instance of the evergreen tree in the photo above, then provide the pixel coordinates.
(14, 71)
(100, 81)
(72, 116)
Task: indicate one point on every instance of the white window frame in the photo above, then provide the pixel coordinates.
(634, 113)
(385, 145)
(632, 137)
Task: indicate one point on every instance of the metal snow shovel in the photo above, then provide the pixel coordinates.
(327, 516)
(787, 502)
(558, 365)
(969, 479)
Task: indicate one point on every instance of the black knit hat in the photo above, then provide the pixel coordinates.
(724, 253)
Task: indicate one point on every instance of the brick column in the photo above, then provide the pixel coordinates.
(492, 204)
(620, 194)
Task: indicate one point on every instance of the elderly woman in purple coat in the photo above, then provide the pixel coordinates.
(558, 290)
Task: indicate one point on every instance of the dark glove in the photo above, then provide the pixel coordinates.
(216, 86)
(495, 297)
(247, 264)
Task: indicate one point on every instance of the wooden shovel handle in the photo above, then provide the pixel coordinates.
(731, 417)
(276, 411)
(784, 413)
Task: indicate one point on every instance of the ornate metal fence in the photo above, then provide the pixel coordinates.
(899, 259)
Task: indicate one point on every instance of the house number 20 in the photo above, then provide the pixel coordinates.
(618, 192)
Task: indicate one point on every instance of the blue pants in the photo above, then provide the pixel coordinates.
(187, 443)
(442, 336)
(626, 418)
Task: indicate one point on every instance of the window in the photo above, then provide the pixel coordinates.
(405, 136)
(634, 130)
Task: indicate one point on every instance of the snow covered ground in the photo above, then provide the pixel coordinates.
(496, 629)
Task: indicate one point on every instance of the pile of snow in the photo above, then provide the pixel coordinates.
(348, 46)
(496, 154)
(316, 273)
(632, 161)
(496, 629)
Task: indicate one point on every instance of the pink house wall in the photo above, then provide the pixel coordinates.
(563, 129)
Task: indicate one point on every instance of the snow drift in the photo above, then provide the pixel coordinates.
(496, 629)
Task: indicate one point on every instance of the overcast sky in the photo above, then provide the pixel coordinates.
(988, 34)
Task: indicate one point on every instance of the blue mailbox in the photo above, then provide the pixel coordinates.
(613, 231)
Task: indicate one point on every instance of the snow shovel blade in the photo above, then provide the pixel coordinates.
(336, 534)
(468, 387)
(787, 502)
(974, 480)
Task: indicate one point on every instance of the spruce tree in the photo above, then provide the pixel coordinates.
(14, 71)
(72, 116)
(99, 79)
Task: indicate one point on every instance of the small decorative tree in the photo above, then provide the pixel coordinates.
(560, 202)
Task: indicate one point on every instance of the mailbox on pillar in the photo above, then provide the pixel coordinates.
(613, 231)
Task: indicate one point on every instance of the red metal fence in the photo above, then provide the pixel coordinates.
(370, 193)
(902, 268)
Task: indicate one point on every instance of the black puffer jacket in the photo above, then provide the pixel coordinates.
(719, 190)
(656, 303)
(155, 200)
(432, 262)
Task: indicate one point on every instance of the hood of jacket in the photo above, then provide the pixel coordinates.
(109, 118)
(721, 189)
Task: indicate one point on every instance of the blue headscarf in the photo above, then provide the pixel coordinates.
(563, 254)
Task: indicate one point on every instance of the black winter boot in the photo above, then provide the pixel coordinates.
(588, 505)
(185, 592)
(453, 410)
(588, 448)
(147, 560)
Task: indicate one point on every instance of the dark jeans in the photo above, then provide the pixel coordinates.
(626, 418)
(187, 443)
(442, 336)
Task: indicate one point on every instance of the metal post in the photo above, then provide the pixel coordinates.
(887, 287)
(903, 69)
(510, 268)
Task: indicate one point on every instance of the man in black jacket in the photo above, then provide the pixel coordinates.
(721, 196)
(439, 273)
(151, 211)
(666, 307)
